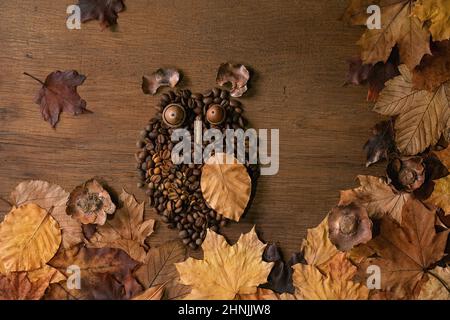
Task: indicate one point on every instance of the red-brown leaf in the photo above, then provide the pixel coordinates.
(105, 11)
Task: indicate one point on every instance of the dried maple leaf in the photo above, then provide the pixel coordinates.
(434, 69)
(266, 294)
(441, 195)
(437, 13)
(378, 197)
(153, 293)
(29, 237)
(159, 270)
(226, 185)
(381, 143)
(225, 271)
(49, 196)
(406, 252)
(17, 286)
(438, 285)
(317, 248)
(105, 11)
(59, 94)
(422, 116)
(106, 273)
(333, 284)
(127, 230)
(398, 27)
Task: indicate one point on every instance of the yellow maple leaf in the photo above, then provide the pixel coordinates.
(225, 271)
(317, 248)
(334, 283)
(441, 195)
(437, 13)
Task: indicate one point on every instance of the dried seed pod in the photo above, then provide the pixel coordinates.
(349, 226)
(407, 173)
(160, 78)
(90, 203)
(237, 75)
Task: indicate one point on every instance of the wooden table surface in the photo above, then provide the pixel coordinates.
(297, 48)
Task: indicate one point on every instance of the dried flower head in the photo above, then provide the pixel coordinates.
(160, 78)
(407, 173)
(349, 226)
(237, 75)
(90, 203)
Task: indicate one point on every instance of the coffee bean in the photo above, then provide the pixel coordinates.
(198, 242)
(183, 234)
(186, 241)
(193, 246)
(208, 101)
(216, 92)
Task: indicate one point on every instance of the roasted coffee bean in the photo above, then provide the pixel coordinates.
(186, 241)
(183, 234)
(216, 92)
(208, 101)
(198, 242)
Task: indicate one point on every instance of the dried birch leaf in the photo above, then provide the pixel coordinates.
(237, 75)
(437, 13)
(422, 116)
(160, 78)
(127, 230)
(47, 196)
(29, 238)
(225, 271)
(226, 185)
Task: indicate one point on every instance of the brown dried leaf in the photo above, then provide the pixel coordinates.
(405, 253)
(59, 94)
(159, 270)
(226, 185)
(127, 230)
(48, 196)
(105, 11)
(381, 143)
(266, 294)
(160, 78)
(237, 75)
(438, 285)
(441, 195)
(225, 271)
(17, 286)
(377, 197)
(317, 247)
(436, 13)
(29, 237)
(153, 293)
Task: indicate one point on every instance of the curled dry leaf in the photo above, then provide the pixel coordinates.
(59, 94)
(422, 116)
(17, 286)
(406, 252)
(438, 285)
(127, 230)
(90, 203)
(334, 284)
(29, 237)
(226, 185)
(48, 196)
(381, 143)
(105, 11)
(237, 75)
(153, 293)
(159, 270)
(436, 13)
(225, 271)
(160, 78)
(377, 196)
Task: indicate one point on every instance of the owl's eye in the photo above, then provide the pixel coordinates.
(216, 114)
(174, 115)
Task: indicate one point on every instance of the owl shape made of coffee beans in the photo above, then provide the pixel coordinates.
(175, 189)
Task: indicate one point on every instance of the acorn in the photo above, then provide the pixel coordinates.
(216, 114)
(174, 115)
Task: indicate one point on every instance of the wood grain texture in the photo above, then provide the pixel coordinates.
(297, 49)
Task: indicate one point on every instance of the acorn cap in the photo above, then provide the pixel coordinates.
(216, 114)
(174, 115)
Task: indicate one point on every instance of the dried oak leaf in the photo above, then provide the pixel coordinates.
(398, 27)
(335, 283)
(127, 230)
(159, 270)
(434, 69)
(225, 271)
(17, 286)
(160, 78)
(153, 293)
(422, 116)
(29, 237)
(106, 274)
(226, 185)
(48, 196)
(237, 75)
(105, 11)
(59, 94)
(438, 285)
(436, 13)
(89, 203)
(406, 252)
(378, 197)
(381, 143)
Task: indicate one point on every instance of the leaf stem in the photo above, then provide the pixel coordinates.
(444, 284)
(33, 77)
(6, 201)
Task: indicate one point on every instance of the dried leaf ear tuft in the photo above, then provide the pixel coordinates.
(237, 75)
(160, 78)
(105, 11)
